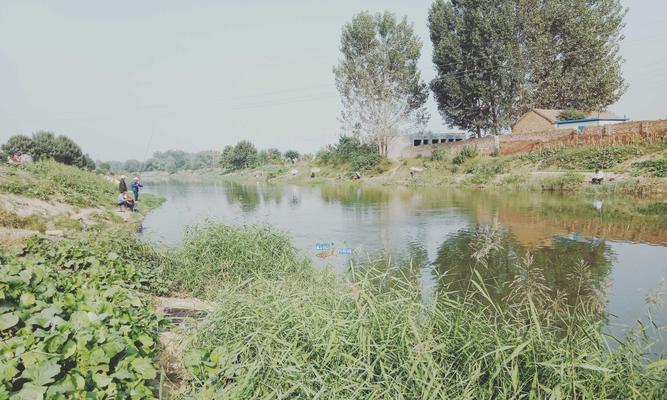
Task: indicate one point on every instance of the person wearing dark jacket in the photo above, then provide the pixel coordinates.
(122, 186)
(135, 188)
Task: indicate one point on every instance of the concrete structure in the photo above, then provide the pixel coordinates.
(403, 145)
(540, 120)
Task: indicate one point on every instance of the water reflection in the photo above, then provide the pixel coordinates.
(434, 236)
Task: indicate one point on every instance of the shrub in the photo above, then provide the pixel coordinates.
(349, 150)
(465, 153)
(438, 154)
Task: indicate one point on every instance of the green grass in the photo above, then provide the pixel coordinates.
(309, 335)
(587, 157)
(211, 254)
(9, 219)
(291, 331)
(50, 180)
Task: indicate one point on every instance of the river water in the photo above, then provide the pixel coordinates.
(618, 244)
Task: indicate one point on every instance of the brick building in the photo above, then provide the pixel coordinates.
(540, 120)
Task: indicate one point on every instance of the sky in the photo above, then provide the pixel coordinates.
(127, 78)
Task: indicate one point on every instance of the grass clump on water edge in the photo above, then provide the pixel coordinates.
(214, 253)
(300, 333)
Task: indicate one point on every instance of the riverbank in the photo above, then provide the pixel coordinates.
(629, 169)
(279, 327)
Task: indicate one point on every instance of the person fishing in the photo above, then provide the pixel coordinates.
(135, 188)
(122, 186)
(598, 177)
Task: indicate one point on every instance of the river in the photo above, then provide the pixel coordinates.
(619, 245)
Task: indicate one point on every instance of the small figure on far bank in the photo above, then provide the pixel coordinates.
(122, 186)
(135, 188)
(598, 177)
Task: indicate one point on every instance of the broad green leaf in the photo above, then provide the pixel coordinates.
(27, 299)
(43, 374)
(7, 320)
(144, 367)
(101, 380)
(30, 392)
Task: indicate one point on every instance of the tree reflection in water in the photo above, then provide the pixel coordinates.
(569, 272)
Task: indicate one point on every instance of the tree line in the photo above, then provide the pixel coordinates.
(494, 60)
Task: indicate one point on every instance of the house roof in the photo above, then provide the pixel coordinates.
(553, 116)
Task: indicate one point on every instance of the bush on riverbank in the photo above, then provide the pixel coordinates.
(351, 153)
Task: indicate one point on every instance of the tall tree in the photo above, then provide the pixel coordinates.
(573, 48)
(496, 58)
(479, 67)
(380, 86)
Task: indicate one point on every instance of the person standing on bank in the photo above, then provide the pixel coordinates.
(122, 186)
(135, 188)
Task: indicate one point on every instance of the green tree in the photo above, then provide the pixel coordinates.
(18, 144)
(377, 77)
(292, 155)
(243, 155)
(573, 53)
(480, 73)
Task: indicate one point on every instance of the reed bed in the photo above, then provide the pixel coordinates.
(294, 332)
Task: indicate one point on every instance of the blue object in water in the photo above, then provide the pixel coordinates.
(345, 250)
(322, 246)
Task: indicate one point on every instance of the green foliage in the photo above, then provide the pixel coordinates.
(560, 73)
(571, 114)
(9, 219)
(18, 144)
(211, 254)
(292, 155)
(657, 168)
(377, 77)
(438, 154)
(173, 161)
(72, 326)
(241, 156)
(590, 158)
(269, 156)
(479, 66)
(71, 185)
(496, 58)
(314, 335)
(466, 153)
(350, 151)
(569, 181)
(46, 145)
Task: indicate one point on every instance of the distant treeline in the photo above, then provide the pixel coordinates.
(169, 161)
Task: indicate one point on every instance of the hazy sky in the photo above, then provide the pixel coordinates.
(127, 78)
